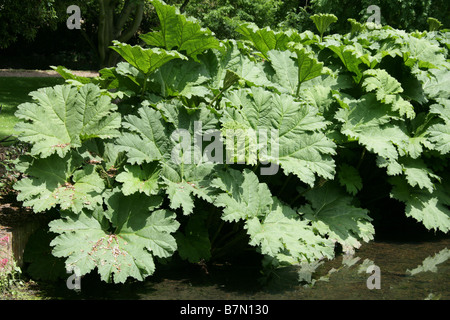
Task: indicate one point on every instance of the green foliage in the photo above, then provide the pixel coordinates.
(224, 16)
(24, 19)
(400, 14)
(135, 183)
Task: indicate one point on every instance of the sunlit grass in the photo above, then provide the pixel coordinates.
(13, 92)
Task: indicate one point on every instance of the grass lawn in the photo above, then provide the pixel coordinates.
(14, 91)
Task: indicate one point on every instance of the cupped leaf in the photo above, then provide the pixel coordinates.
(323, 21)
(62, 117)
(434, 24)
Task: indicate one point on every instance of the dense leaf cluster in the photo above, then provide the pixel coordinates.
(110, 152)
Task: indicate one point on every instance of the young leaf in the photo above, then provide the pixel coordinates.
(349, 178)
(434, 24)
(323, 22)
(142, 178)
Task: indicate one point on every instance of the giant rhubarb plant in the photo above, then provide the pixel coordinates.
(270, 135)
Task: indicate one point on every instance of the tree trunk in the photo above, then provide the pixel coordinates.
(111, 27)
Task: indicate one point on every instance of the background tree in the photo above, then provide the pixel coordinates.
(23, 19)
(103, 21)
(118, 20)
(224, 16)
(400, 14)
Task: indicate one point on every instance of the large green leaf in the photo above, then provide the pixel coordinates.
(170, 135)
(179, 31)
(146, 60)
(62, 117)
(439, 134)
(181, 78)
(142, 178)
(302, 149)
(266, 39)
(148, 137)
(272, 226)
(372, 124)
(387, 90)
(422, 53)
(331, 212)
(352, 57)
(243, 196)
(293, 68)
(140, 235)
(283, 235)
(59, 181)
(418, 174)
(429, 208)
(185, 182)
(231, 59)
